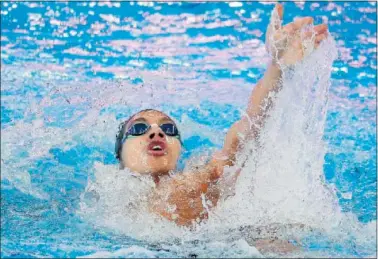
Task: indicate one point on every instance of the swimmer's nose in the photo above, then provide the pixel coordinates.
(152, 135)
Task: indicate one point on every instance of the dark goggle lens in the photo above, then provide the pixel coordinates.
(169, 129)
(138, 129)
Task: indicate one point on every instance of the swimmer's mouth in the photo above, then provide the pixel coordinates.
(157, 148)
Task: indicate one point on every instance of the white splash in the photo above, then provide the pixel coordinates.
(282, 183)
(281, 186)
(283, 179)
(118, 199)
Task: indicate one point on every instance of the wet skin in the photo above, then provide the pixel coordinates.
(180, 198)
(186, 191)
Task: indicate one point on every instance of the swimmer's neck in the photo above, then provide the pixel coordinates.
(156, 176)
(156, 179)
(159, 176)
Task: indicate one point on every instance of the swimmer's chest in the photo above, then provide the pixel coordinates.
(181, 200)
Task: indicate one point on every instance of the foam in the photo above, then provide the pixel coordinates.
(281, 185)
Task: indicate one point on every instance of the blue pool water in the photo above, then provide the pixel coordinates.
(70, 72)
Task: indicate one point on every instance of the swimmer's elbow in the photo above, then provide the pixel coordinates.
(239, 132)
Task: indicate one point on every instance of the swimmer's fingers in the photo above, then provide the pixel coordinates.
(279, 9)
(316, 36)
(318, 31)
(307, 35)
(322, 28)
(276, 17)
(274, 26)
(320, 38)
(321, 33)
(288, 34)
(297, 24)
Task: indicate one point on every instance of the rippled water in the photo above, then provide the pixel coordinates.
(70, 72)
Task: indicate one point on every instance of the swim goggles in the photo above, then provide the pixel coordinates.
(141, 128)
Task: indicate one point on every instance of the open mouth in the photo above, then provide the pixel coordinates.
(157, 148)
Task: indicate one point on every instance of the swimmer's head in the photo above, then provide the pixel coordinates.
(148, 143)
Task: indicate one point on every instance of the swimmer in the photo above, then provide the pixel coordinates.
(149, 141)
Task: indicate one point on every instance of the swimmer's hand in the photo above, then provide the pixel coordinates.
(289, 44)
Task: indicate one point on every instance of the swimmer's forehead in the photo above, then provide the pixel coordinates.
(151, 117)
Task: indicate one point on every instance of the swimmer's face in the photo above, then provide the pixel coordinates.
(154, 152)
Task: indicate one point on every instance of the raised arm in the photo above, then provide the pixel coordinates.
(190, 195)
(286, 47)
